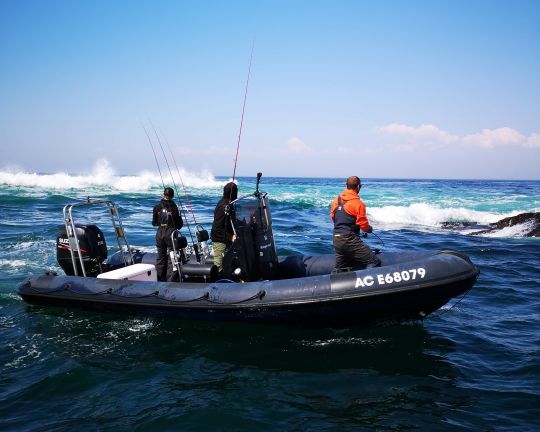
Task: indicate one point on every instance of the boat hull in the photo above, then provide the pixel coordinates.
(406, 287)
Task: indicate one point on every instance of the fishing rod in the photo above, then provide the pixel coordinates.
(155, 156)
(174, 183)
(200, 232)
(365, 235)
(189, 206)
(243, 111)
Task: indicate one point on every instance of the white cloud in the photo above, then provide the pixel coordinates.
(534, 140)
(491, 138)
(429, 133)
(411, 137)
(296, 145)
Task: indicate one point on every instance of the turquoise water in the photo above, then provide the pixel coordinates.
(474, 365)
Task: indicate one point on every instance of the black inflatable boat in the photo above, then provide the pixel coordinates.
(257, 286)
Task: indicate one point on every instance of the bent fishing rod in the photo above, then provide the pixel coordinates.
(365, 235)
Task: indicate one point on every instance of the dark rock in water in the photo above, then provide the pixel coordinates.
(532, 219)
(457, 225)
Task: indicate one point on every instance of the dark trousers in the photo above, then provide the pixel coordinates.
(164, 266)
(353, 252)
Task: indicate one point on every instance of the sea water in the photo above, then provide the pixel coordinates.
(473, 365)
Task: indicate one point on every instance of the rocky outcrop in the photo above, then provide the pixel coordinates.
(460, 225)
(530, 220)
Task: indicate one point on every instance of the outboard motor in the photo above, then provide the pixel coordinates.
(92, 246)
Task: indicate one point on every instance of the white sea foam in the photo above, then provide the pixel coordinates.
(342, 341)
(26, 245)
(24, 353)
(103, 176)
(141, 326)
(512, 231)
(431, 215)
(16, 263)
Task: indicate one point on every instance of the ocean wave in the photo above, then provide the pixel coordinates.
(103, 177)
(305, 199)
(519, 230)
(16, 263)
(432, 215)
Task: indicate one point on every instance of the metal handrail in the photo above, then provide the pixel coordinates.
(260, 196)
(71, 231)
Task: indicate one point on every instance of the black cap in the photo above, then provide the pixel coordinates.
(168, 192)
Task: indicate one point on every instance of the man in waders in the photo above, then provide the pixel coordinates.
(222, 233)
(348, 212)
(167, 218)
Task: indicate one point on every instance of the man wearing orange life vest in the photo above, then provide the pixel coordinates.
(348, 212)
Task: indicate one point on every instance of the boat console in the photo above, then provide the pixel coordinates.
(252, 256)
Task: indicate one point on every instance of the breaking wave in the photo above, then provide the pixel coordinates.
(429, 215)
(103, 176)
(516, 231)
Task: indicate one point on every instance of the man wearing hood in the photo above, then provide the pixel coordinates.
(222, 233)
(167, 218)
(348, 212)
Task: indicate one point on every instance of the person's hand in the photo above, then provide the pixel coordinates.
(233, 238)
(370, 229)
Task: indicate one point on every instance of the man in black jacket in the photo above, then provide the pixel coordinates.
(222, 233)
(167, 218)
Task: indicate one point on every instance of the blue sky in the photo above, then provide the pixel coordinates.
(404, 89)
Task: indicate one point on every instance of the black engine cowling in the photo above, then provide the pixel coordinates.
(92, 246)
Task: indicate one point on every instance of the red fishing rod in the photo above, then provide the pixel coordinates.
(243, 111)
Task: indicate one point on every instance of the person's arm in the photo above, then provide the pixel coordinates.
(333, 208)
(177, 218)
(361, 218)
(155, 212)
(229, 217)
